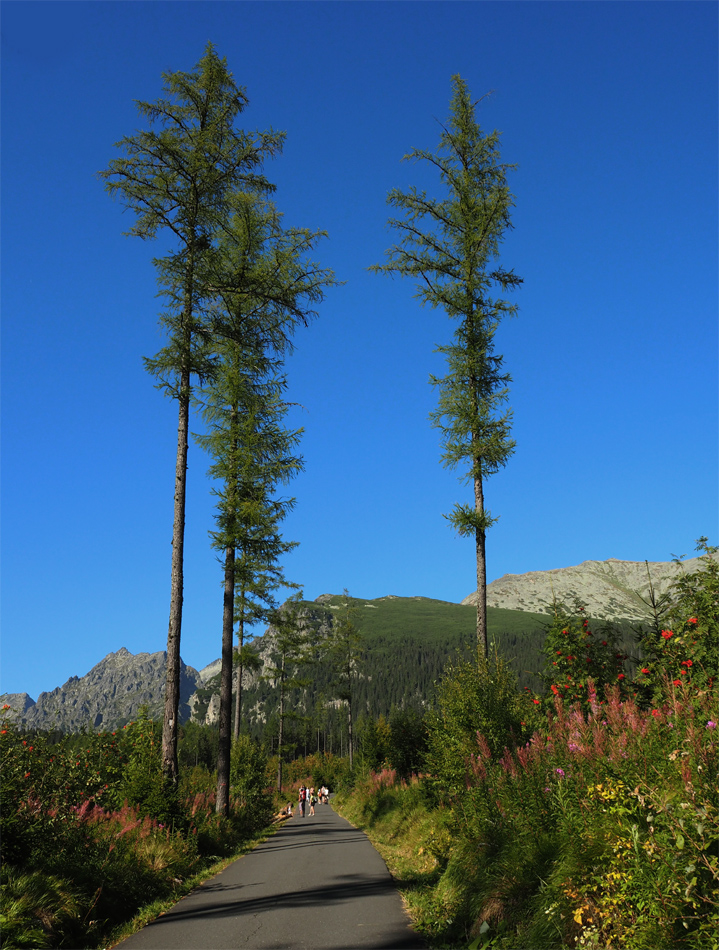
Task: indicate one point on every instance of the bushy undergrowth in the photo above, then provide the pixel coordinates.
(587, 816)
(92, 834)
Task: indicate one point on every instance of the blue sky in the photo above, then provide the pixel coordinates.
(610, 112)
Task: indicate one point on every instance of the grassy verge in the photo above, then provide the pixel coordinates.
(157, 908)
(414, 841)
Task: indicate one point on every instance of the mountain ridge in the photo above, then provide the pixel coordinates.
(610, 589)
(113, 691)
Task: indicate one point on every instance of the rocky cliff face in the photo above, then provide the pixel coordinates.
(610, 589)
(107, 697)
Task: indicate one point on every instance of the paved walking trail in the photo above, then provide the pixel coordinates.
(317, 884)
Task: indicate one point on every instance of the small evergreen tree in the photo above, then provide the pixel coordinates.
(681, 649)
(344, 651)
(581, 658)
(291, 643)
(451, 246)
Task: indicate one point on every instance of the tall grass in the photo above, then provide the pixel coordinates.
(90, 837)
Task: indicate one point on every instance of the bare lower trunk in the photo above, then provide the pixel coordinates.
(238, 688)
(482, 648)
(172, 684)
(280, 735)
(349, 730)
(222, 806)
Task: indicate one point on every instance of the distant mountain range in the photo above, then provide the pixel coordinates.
(609, 589)
(413, 637)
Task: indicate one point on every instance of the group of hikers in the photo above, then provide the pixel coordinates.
(308, 799)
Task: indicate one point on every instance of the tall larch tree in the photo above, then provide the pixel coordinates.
(176, 176)
(451, 246)
(266, 286)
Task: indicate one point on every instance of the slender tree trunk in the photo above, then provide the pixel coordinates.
(238, 698)
(222, 806)
(349, 728)
(172, 684)
(481, 573)
(280, 733)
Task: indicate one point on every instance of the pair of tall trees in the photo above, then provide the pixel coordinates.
(236, 287)
(451, 245)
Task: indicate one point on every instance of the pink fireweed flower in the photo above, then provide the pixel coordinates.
(711, 724)
(560, 772)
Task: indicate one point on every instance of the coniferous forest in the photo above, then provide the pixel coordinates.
(532, 780)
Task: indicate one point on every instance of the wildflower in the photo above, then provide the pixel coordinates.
(554, 689)
(3, 731)
(655, 712)
(690, 620)
(676, 682)
(604, 643)
(687, 662)
(536, 702)
(667, 634)
(711, 724)
(620, 676)
(6, 706)
(559, 652)
(27, 774)
(560, 772)
(645, 669)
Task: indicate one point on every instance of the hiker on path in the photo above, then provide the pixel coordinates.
(302, 800)
(312, 801)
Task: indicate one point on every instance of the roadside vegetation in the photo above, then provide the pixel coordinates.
(93, 836)
(584, 815)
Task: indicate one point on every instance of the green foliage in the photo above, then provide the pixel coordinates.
(682, 648)
(248, 778)
(36, 909)
(375, 737)
(407, 746)
(474, 698)
(90, 832)
(451, 245)
(581, 658)
(141, 783)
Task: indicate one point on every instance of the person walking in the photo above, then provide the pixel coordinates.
(312, 801)
(302, 800)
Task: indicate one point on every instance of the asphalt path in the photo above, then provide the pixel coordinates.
(317, 883)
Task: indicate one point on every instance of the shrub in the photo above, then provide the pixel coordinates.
(473, 696)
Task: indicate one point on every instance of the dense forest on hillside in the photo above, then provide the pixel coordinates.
(406, 645)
